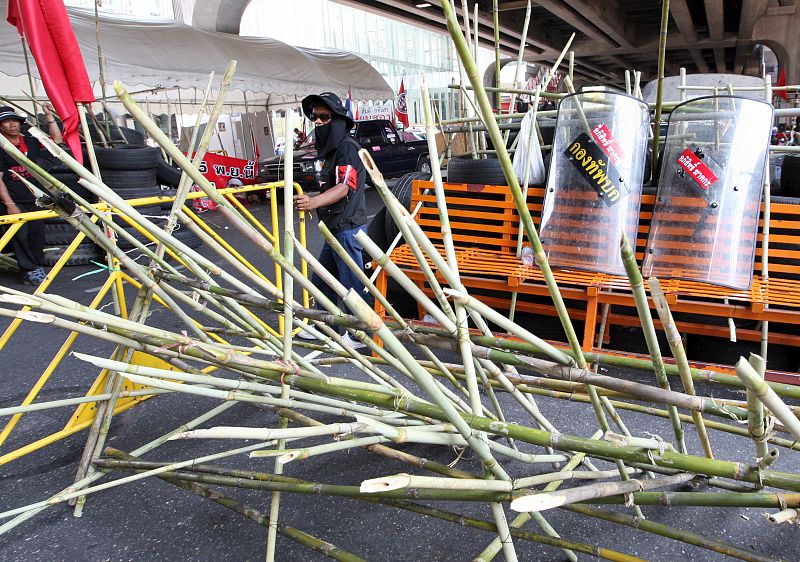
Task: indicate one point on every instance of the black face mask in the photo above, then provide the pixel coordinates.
(328, 137)
(321, 133)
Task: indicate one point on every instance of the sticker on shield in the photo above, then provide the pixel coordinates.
(602, 135)
(691, 162)
(593, 164)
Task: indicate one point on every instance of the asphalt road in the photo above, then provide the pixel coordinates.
(151, 519)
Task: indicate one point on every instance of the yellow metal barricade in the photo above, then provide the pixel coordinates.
(131, 395)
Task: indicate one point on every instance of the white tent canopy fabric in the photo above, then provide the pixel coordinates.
(174, 55)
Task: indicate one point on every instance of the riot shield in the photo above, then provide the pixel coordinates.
(595, 184)
(705, 220)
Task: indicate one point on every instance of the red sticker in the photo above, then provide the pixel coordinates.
(348, 176)
(608, 143)
(698, 171)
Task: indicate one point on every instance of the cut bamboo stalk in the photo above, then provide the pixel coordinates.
(300, 537)
(549, 500)
(646, 319)
(669, 532)
(679, 353)
(784, 516)
(662, 53)
(755, 384)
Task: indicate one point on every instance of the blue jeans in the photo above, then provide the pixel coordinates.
(331, 261)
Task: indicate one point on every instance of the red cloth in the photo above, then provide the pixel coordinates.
(401, 109)
(46, 27)
(782, 82)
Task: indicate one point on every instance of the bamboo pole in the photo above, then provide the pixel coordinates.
(669, 532)
(643, 309)
(55, 499)
(497, 67)
(662, 53)
(521, 51)
(755, 384)
(145, 295)
(756, 424)
(679, 353)
(286, 325)
(266, 481)
(549, 500)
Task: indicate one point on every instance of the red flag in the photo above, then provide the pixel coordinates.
(401, 110)
(46, 27)
(782, 82)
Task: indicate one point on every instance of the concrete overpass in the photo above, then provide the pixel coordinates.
(611, 35)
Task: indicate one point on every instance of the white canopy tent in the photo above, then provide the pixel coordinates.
(170, 54)
(168, 63)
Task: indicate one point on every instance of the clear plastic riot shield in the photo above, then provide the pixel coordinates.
(705, 220)
(595, 184)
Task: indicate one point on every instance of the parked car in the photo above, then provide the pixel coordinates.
(395, 153)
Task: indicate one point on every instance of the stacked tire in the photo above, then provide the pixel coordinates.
(137, 171)
(58, 233)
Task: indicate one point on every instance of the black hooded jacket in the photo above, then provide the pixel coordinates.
(341, 164)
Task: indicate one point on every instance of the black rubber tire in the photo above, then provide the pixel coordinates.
(424, 166)
(184, 235)
(82, 255)
(152, 212)
(376, 230)
(71, 180)
(167, 205)
(132, 136)
(784, 200)
(123, 180)
(467, 170)
(137, 193)
(127, 157)
(402, 190)
(166, 174)
(790, 176)
(59, 233)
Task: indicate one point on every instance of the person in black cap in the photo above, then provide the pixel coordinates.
(340, 204)
(15, 197)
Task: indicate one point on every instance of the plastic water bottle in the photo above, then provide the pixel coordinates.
(527, 256)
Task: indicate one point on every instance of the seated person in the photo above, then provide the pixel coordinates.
(15, 197)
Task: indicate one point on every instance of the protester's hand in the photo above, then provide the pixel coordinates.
(48, 109)
(304, 202)
(11, 208)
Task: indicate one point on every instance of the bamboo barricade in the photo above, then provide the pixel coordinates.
(455, 383)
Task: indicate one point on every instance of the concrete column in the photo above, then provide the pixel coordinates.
(224, 16)
(777, 29)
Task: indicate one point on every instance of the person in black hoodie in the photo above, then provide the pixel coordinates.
(340, 204)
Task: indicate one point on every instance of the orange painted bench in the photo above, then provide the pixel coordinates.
(485, 226)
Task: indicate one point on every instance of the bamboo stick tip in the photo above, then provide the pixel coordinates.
(384, 484)
(19, 299)
(537, 502)
(287, 458)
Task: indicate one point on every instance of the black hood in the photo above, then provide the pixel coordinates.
(330, 100)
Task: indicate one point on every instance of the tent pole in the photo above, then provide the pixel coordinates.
(180, 112)
(30, 79)
(250, 128)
